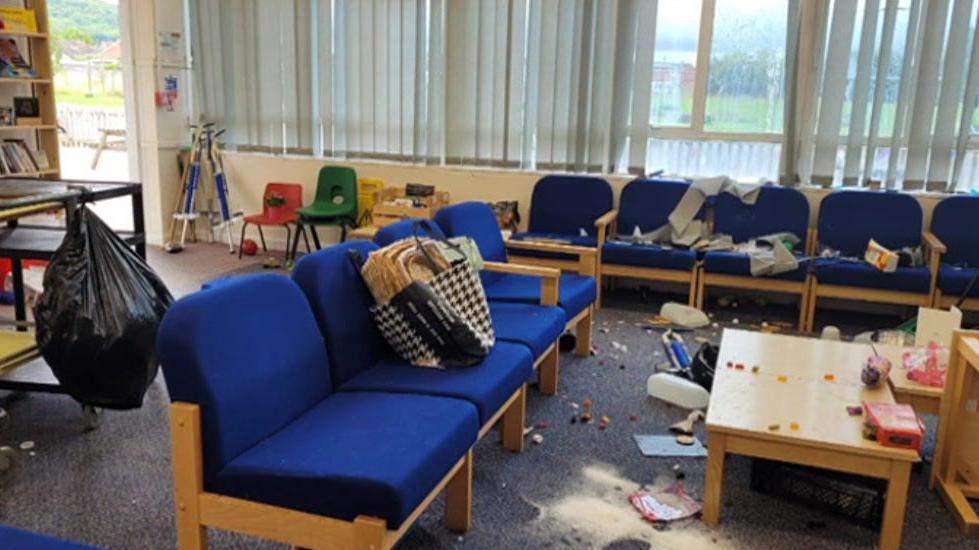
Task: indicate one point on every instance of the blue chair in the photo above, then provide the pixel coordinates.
(560, 208)
(777, 209)
(12, 538)
(847, 221)
(955, 226)
(536, 326)
(646, 204)
(263, 444)
(578, 292)
(362, 361)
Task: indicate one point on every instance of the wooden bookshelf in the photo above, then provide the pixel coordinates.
(36, 49)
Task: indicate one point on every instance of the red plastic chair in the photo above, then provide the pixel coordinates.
(283, 216)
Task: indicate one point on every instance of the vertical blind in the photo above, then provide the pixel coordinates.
(897, 93)
(552, 84)
(876, 91)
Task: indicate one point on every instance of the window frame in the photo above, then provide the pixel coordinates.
(695, 130)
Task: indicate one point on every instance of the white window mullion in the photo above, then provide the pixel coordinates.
(627, 15)
(905, 97)
(833, 92)
(926, 80)
(861, 91)
(949, 102)
(788, 168)
(811, 70)
(880, 89)
(968, 109)
(642, 85)
(702, 77)
(547, 73)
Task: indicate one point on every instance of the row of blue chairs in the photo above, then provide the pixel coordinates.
(579, 210)
(293, 420)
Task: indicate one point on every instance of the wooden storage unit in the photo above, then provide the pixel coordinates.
(955, 471)
(385, 213)
(36, 49)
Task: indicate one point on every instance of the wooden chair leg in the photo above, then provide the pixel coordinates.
(813, 301)
(188, 475)
(459, 497)
(804, 304)
(583, 335)
(514, 421)
(598, 299)
(550, 371)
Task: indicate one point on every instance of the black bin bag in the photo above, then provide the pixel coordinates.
(98, 316)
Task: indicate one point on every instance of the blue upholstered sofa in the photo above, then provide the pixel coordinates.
(12, 538)
(776, 210)
(277, 436)
(646, 204)
(578, 292)
(847, 221)
(955, 224)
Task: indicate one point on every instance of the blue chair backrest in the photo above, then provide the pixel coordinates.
(849, 219)
(563, 204)
(404, 229)
(956, 222)
(647, 204)
(777, 209)
(249, 353)
(341, 303)
(476, 220)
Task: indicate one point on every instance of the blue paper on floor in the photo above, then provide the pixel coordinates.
(666, 445)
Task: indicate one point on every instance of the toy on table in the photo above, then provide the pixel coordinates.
(893, 425)
(925, 366)
(875, 371)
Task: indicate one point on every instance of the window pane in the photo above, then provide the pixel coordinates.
(747, 67)
(674, 62)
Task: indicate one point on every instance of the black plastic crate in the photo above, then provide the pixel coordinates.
(858, 499)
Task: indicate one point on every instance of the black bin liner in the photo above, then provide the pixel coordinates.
(98, 316)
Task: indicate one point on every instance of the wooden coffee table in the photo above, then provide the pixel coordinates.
(791, 390)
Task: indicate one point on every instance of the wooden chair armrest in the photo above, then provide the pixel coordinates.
(587, 256)
(604, 224)
(607, 218)
(569, 249)
(933, 242)
(550, 278)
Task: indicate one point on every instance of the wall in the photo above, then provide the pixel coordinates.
(249, 172)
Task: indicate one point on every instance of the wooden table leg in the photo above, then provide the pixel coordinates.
(895, 507)
(714, 484)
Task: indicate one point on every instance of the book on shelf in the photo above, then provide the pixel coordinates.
(18, 20)
(12, 62)
(16, 158)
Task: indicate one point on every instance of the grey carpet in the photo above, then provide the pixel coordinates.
(112, 487)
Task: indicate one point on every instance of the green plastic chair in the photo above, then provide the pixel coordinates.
(335, 202)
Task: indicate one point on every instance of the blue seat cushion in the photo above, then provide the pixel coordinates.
(17, 539)
(577, 292)
(564, 203)
(739, 263)
(408, 228)
(487, 385)
(590, 241)
(840, 272)
(953, 280)
(648, 255)
(955, 221)
(534, 326)
(356, 453)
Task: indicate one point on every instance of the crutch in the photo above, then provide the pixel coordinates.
(221, 185)
(172, 245)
